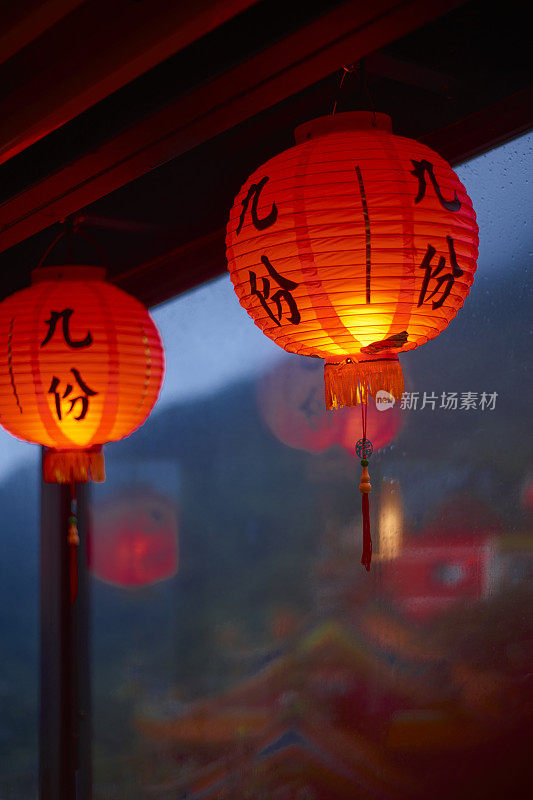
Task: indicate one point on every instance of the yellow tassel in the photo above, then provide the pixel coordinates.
(350, 382)
(80, 466)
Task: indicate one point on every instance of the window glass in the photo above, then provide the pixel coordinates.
(19, 633)
(239, 648)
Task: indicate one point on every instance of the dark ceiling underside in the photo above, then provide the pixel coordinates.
(152, 168)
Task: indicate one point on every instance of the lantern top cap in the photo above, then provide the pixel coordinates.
(68, 272)
(347, 121)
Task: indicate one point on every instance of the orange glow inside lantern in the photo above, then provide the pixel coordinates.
(353, 246)
(81, 364)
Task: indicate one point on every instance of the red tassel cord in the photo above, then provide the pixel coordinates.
(364, 448)
(73, 542)
(366, 558)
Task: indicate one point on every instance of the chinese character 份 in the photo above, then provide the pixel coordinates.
(82, 398)
(283, 294)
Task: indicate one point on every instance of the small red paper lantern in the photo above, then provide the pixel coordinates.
(134, 539)
(81, 364)
(290, 400)
(353, 246)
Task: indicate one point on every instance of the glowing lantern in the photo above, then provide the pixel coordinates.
(353, 246)
(134, 539)
(81, 364)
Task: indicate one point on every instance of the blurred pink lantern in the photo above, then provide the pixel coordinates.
(291, 403)
(134, 538)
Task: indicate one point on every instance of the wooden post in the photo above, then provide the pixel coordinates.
(65, 734)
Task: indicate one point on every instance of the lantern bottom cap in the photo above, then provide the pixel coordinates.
(78, 466)
(350, 382)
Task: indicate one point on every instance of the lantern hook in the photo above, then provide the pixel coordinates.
(358, 68)
(71, 228)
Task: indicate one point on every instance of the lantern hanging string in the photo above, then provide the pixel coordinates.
(71, 229)
(73, 541)
(360, 70)
(345, 70)
(365, 486)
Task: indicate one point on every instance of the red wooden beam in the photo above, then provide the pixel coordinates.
(87, 64)
(344, 35)
(23, 22)
(488, 128)
(201, 259)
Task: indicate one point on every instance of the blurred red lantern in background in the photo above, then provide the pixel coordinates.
(291, 402)
(134, 538)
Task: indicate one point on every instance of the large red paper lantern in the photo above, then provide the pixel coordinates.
(134, 539)
(81, 364)
(353, 246)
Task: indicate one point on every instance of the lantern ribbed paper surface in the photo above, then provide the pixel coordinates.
(354, 244)
(81, 364)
